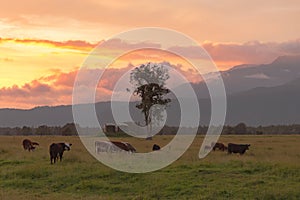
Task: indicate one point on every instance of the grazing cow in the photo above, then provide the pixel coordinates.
(238, 148)
(29, 145)
(219, 146)
(155, 147)
(125, 146)
(113, 146)
(57, 149)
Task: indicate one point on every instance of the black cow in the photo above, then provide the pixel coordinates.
(57, 149)
(237, 148)
(155, 147)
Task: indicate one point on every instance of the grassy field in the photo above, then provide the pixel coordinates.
(269, 170)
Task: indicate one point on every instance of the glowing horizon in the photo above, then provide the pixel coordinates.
(44, 44)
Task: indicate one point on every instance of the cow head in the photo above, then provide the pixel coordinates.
(247, 145)
(67, 146)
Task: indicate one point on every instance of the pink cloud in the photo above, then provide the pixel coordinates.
(229, 54)
(251, 52)
(65, 79)
(43, 91)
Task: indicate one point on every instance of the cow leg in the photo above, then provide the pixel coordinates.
(55, 158)
(60, 156)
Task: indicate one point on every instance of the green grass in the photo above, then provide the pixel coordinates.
(269, 170)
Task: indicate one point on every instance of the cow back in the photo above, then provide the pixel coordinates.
(120, 145)
(237, 148)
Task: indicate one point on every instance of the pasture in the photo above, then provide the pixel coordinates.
(269, 170)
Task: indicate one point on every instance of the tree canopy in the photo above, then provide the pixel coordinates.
(149, 81)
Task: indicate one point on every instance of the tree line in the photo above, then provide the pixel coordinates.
(70, 130)
(66, 130)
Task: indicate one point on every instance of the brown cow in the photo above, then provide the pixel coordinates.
(29, 145)
(57, 149)
(219, 146)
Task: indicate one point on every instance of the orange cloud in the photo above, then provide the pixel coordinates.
(70, 44)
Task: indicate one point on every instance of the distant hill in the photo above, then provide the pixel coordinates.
(246, 77)
(266, 105)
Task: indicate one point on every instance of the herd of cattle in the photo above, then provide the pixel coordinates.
(56, 150)
(117, 146)
(231, 148)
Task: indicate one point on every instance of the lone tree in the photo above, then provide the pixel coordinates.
(149, 81)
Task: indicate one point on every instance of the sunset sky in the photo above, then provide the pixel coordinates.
(43, 43)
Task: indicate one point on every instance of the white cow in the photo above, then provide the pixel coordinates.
(114, 146)
(103, 146)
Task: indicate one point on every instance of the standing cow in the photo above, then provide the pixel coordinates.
(155, 147)
(57, 149)
(29, 145)
(238, 148)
